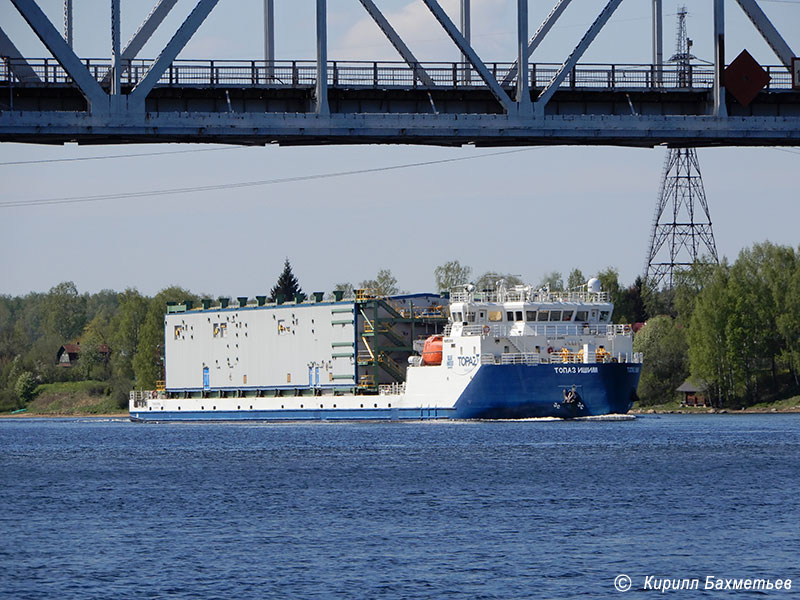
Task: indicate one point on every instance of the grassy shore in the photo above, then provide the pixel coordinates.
(72, 398)
(788, 405)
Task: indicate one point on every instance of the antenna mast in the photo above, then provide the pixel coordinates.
(681, 234)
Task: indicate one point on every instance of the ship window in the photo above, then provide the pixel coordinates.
(509, 315)
(581, 315)
(495, 315)
(555, 315)
(471, 317)
(605, 316)
(530, 315)
(519, 315)
(566, 315)
(457, 316)
(482, 316)
(543, 315)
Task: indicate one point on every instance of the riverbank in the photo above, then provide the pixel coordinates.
(789, 405)
(73, 399)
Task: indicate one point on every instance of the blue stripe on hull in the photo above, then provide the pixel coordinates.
(525, 391)
(366, 414)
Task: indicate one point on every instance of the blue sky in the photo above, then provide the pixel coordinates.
(525, 213)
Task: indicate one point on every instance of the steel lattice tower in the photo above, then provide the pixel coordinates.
(682, 231)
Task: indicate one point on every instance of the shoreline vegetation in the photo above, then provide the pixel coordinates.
(728, 335)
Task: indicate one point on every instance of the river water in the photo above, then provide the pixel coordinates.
(110, 509)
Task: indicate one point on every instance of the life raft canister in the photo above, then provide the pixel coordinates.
(432, 351)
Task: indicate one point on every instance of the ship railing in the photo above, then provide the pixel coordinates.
(547, 330)
(140, 398)
(520, 358)
(511, 358)
(527, 295)
(392, 389)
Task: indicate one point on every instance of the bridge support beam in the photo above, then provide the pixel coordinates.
(16, 62)
(398, 43)
(466, 31)
(116, 59)
(720, 109)
(139, 39)
(68, 22)
(537, 38)
(768, 32)
(658, 41)
(471, 55)
(573, 58)
(269, 38)
(322, 107)
(185, 32)
(58, 47)
(524, 105)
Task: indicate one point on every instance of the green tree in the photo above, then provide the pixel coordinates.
(609, 282)
(287, 285)
(66, 311)
(148, 360)
(488, 281)
(788, 322)
(93, 361)
(552, 279)
(663, 343)
(346, 287)
(688, 285)
(450, 275)
(709, 348)
(24, 387)
(575, 279)
(125, 327)
(384, 284)
(631, 305)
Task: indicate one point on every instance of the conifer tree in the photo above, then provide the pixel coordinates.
(287, 285)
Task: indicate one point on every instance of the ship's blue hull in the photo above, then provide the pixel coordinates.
(549, 390)
(495, 392)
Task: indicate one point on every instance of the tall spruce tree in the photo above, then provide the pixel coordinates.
(287, 285)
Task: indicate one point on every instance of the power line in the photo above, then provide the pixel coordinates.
(245, 184)
(80, 158)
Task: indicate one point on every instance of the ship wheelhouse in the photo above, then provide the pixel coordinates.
(539, 326)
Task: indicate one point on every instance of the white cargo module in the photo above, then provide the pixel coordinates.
(303, 346)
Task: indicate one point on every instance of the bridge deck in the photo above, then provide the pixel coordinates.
(253, 102)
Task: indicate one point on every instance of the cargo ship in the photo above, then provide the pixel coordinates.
(513, 352)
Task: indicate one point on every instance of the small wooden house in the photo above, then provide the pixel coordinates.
(694, 393)
(69, 354)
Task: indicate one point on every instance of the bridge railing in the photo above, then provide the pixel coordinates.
(244, 73)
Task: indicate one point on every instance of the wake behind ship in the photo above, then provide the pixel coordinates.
(508, 353)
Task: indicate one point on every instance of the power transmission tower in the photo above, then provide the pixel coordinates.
(682, 232)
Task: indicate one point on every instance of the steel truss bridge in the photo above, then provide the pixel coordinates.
(126, 99)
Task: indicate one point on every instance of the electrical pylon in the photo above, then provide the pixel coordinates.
(682, 235)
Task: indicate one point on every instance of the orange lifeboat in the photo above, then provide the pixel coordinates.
(432, 351)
